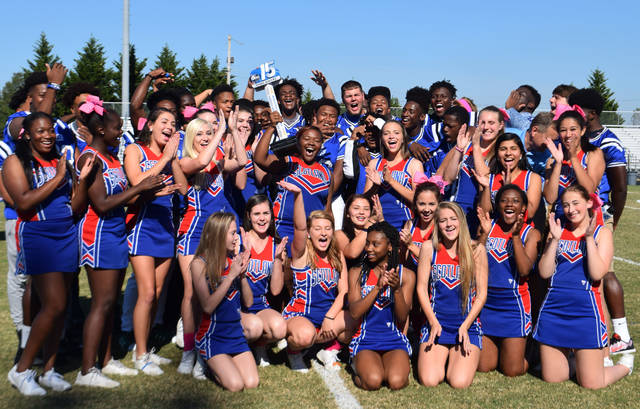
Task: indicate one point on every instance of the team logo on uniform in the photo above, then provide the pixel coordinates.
(447, 274)
(231, 294)
(500, 248)
(258, 270)
(571, 250)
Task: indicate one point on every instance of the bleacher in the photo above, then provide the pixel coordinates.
(630, 138)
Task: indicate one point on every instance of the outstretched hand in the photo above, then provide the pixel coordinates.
(555, 226)
(319, 78)
(289, 187)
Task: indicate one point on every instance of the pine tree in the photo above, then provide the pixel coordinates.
(220, 75)
(136, 72)
(41, 55)
(598, 81)
(199, 75)
(168, 60)
(10, 87)
(307, 96)
(90, 67)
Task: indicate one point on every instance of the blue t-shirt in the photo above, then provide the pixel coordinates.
(332, 150)
(614, 157)
(347, 122)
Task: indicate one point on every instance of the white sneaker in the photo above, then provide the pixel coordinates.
(115, 367)
(52, 379)
(261, 356)
(25, 382)
(329, 359)
(178, 339)
(95, 378)
(187, 362)
(627, 360)
(147, 366)
(155, 358)
(199, 369)
(297, 363)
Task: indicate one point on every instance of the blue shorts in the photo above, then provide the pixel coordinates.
(153, 233)
(506, 313)
(571, 319)
(47, 246)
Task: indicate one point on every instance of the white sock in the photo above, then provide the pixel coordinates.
(627, 360)
(620, 328)
(608, 362)
(24, 336)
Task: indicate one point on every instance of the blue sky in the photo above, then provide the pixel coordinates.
(484, 49)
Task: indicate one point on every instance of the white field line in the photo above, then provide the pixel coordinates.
(632, 208)
(344, 399)
(635, 263)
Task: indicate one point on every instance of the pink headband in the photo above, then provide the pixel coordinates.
(505, 115)
(141, 122)
(463, 103)
(188, 112)
(92, 104)
(208, 105)
(421, 177)
(562, 108)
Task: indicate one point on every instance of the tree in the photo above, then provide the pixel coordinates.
(136, 70)
(598, 81)
(202, 75)
(635, 118)
(10, 87)
(90, 67)
(41, 55)
(307, 96)
(168, 60)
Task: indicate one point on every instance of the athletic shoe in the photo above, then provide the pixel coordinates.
(178, 339)
(52, 379)
(96, 379)
(187, 362)
(261, 356)
(155, 358)
(25, 382)
(115, 367)
(329, 359)
(627, 360)
(608, 363)
(297, 363)
(199, 369)
(147, 366)
(618, 346)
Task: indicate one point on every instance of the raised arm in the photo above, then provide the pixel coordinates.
(192, 166)
(269, 162)
(132, 156)
(553, 169)
(547, 262)
(451, 164)
(137, 99)
(319, 78)
(298, 247)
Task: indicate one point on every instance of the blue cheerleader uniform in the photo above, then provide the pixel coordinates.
(314, 292)
(221, 332)
(259, 273)
(313, 179)
(507, 311)
(378, 330)
(445, 295)
(150, 225)
(571, 315)
(417, 238)
(103, 237)
(394, 207)
(203, 199)
(466, 193)
(47, 237)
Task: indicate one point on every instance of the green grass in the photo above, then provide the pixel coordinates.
(281, 388)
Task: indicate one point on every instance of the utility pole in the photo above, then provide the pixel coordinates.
(229, 61)
(125, 62)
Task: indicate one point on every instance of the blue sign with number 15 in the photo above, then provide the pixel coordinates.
(265, 74)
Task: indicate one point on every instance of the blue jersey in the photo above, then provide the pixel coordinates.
(613, 157)
(395, 208)
(314, 291)
(65, 136)
(8, 138)
(5, 152)
(58, 204)
(293, 126)
(347, 123)
(332, 150)
(571, 263)
(568, 178)
(433, 134)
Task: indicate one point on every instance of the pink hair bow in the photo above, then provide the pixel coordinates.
(208, 105)
(421, 177)
(505, 114)
(92, 104)
(188, 112)
(464, 104)
(562, 108)
(141, 122)
(597, 202)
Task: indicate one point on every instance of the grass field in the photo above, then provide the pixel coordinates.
(281, 388)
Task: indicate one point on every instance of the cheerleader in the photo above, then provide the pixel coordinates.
(46, 199)
(151, 237)
(314, 314)
(576, 258)
(380, 296)
(390, 176)
(512, 248)
(265, 276)
(360, 213)
(219, 282)
(103, 239)
(451, 288)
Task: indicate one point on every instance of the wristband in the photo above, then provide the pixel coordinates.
(329, 318)
(54, 86)
(459, 149)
